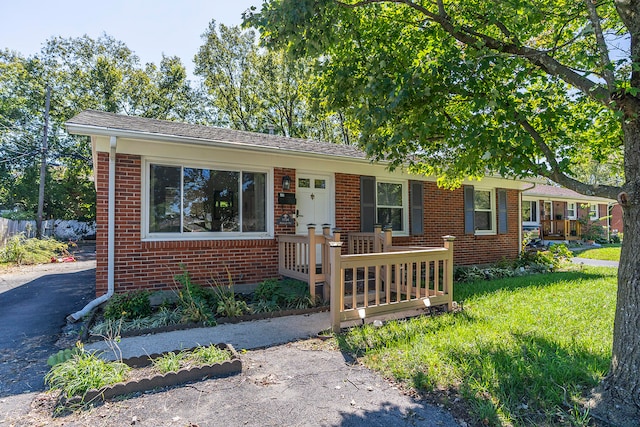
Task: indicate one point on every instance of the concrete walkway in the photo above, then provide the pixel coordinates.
(594, 262)
(244, 335)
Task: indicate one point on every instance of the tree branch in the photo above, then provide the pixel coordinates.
(602, 45)
(471, 37)
(557, 175)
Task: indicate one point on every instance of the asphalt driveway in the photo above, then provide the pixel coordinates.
(34, 302)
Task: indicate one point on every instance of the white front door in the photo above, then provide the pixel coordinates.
(313, 202)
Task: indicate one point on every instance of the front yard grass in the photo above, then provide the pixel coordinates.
(524, 350)
(607, 253)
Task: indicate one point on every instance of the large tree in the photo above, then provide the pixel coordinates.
(521, 88)
(83, 73)
(251, 88)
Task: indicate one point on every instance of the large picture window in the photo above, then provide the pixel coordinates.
(197, 200)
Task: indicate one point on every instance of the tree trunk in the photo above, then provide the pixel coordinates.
(617, 399)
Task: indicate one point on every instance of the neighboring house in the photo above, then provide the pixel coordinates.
(558, 213)
(616, 219)
(215, 200)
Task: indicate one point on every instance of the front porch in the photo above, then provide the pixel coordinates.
(560, 229)
(373, 277)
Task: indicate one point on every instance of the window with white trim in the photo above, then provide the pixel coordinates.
(572, 210)
(484, 211)
(389, 205)
(529, 211)
(384, 202)
(593, 212)
(208, 202)
(481, 207)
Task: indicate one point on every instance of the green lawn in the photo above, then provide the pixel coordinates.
(608, 253)
(524, 350)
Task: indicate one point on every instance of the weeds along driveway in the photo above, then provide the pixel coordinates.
(34, 302)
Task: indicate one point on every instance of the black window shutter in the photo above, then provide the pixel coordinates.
(502, 212)
(469, 210)
(417, 208)
(367, 203)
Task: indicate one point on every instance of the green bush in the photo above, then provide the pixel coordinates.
(22, 250)
(131, 305)
(274, 294)
(227, 304)
(194, 301)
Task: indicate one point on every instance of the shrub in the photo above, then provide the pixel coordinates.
(131, 305)
(193, 300)
(227, 305)
(23, 250)
(274, 294)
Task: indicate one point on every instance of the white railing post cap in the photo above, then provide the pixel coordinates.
(335, 244)
(449, 238)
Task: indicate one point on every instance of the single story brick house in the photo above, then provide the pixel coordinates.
(213, 199)
(555, 212)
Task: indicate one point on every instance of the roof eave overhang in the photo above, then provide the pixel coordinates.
(575, 198)
(89, 130)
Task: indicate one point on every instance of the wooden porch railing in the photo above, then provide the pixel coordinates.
(298, 257)
(560, 229)
(374, 278)
(397, 280)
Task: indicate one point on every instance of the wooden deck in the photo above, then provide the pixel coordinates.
(373, 277)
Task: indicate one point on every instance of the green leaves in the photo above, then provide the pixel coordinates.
(485, 88)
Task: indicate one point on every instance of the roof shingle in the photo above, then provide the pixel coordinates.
(91, 120)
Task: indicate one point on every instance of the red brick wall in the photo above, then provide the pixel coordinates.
(153, 265)
(443, 215)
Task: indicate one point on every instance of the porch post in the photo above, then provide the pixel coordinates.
(377, 238)
(311, 262)
(336, 234)
(326, 234)
(448, 271)
(335, 283)
(388, 239)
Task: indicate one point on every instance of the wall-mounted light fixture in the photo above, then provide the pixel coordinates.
(286, 183)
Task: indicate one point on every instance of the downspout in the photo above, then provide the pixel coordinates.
(110, 238)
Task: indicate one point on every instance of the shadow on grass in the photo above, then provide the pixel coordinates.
(466, 290)
(530, 381)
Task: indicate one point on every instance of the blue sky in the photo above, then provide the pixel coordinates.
(148, 27)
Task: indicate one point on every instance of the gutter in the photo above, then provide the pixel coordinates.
(110, 239)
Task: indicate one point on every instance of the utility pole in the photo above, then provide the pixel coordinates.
(43, 165)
